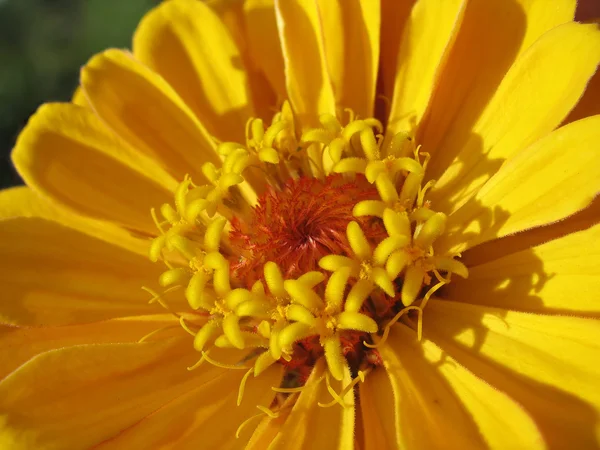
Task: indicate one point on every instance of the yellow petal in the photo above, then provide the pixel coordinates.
(24, 202)
(534, 97)
(427, 412)
(310, 426)
(428, 37)
(554, 178)
(91, 393)
(190, 47)
(232, 14)
(502, 422)
(307, 81)
(266, 431)
(351, 39)
(204, 417)
(548, 364)
(66, 153)
(560, 276)
(53, 275)
(394, 17)
(142, 108)
(377, 409)
(588, 104)
(492, 35)
(263, 40)
(498, 248)
(79, 98)
(19, 344)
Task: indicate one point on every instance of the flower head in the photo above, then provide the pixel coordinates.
(263, 229)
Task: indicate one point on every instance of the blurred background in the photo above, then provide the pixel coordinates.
(43, 43)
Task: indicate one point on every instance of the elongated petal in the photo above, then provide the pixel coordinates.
(352, 51)
(311, 427)
(428, 37)
(394, 17)
(91, 393)
(560, 276)
(492, 36)
(264, 43)
(554, 178)
(204, 417)
(307, 81)
(24, 202)
(427, 412)
(378, 412)
(548, 364)
(500, 420)
(588, 104)
(66, 153)
(534, 97)
(144, 110)
(190, 47)
(19, 344)
(52, 275)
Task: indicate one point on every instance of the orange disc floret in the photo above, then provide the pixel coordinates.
(297, 225)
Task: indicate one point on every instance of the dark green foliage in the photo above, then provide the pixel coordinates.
(43, 43)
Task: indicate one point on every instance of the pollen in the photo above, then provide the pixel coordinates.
(313, 261)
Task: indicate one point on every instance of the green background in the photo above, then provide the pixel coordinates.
(43, 43)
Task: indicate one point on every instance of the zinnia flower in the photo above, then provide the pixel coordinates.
(369, 225)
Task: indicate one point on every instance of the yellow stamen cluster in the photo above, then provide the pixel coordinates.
(269, 318)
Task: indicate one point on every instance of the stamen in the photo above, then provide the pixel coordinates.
(264, 411)
(185, 326)
(156, 297)
(243, 385)
(386, 329)
(336, 397)
(359, 378)
(155, 332)
(222, 365)
(268, 412)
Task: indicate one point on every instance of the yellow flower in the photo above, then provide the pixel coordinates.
(312, 224)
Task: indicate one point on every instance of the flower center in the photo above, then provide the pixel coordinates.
(338, 248)
(298, 225)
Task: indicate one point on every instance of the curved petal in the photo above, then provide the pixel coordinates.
(502, 422)
(554, 178)
(307, 80)
(427, 412)
(428, 37)
(527, 239)
(310, 426)
(263, 40)
(22, 201)
(67, 154)
(190, 47)
(589, 103)
(548, 364)
(143, 109)
(204, 417)
(377, 412)
(492, 35)
(232, 14)
(77, 397)
(52, 275)
(394, 17)
(19, 344)
(352, 52)
(561, 276)
(534, 97)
